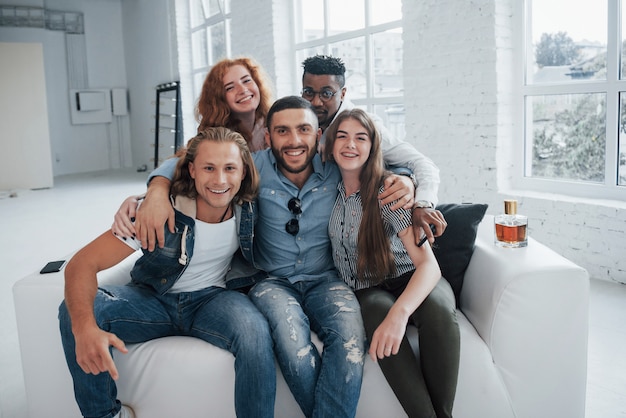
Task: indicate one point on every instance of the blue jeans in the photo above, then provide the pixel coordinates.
(224, 318)
(328, 385)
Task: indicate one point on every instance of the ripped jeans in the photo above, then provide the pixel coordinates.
(326, 385)
(224, 318)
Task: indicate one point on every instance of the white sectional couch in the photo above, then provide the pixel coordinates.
(523, 319)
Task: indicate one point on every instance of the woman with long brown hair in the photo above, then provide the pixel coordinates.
(396, 281)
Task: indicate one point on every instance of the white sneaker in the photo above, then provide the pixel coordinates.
(125, 412)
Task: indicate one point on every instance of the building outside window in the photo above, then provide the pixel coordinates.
(574, 93)
(367, 36)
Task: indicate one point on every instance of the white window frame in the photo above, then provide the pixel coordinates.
(610, 87)
(187, 72)
(206, 26)
(370, 100)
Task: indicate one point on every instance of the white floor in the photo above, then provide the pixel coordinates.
(39, 226)
(43, 225)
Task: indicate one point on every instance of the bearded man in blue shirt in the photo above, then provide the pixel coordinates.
(303, 292)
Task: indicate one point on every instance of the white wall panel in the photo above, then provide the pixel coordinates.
(25, 161)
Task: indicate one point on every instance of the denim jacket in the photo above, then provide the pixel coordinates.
(161, 268)
(242, 272)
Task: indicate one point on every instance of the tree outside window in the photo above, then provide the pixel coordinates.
(573, 94)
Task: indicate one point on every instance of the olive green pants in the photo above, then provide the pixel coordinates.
(424, 380)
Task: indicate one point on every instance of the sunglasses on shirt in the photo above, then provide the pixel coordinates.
(295, 207)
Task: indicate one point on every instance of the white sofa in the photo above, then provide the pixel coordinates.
(523, 319)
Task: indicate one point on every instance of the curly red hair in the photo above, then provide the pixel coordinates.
(212, 109)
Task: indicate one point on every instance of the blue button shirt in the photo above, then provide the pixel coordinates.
(307, 255)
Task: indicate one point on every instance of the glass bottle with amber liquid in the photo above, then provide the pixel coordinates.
(511, 228)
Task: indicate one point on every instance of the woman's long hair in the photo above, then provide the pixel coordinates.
(212, 109)
(183, 184)
(375, 260)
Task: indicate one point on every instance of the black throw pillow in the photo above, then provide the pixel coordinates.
(455, 247)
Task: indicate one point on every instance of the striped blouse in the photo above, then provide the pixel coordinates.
(343, 229)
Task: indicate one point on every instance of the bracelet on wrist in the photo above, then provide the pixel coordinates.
(423, 204)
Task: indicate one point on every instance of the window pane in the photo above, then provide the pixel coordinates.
(213, 7)
(352, 52)
(199, 48)
(312, 19)
(383, 11)
(196, 10)
(567, 137)
(217, 41)
(201, 10)
(393, 118)
(345, 15)
(568, 41)
(388, 63)
(622, 141)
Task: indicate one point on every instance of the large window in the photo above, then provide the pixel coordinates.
(575, 98)
(367, 36)
(210, 37)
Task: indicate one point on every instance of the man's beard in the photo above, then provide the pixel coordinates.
(295, 170)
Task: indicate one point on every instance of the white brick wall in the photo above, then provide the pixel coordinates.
(459, 67)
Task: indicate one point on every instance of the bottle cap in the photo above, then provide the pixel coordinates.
(510, 207)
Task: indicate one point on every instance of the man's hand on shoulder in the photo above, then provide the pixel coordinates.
(400, 189)
(153, 213)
